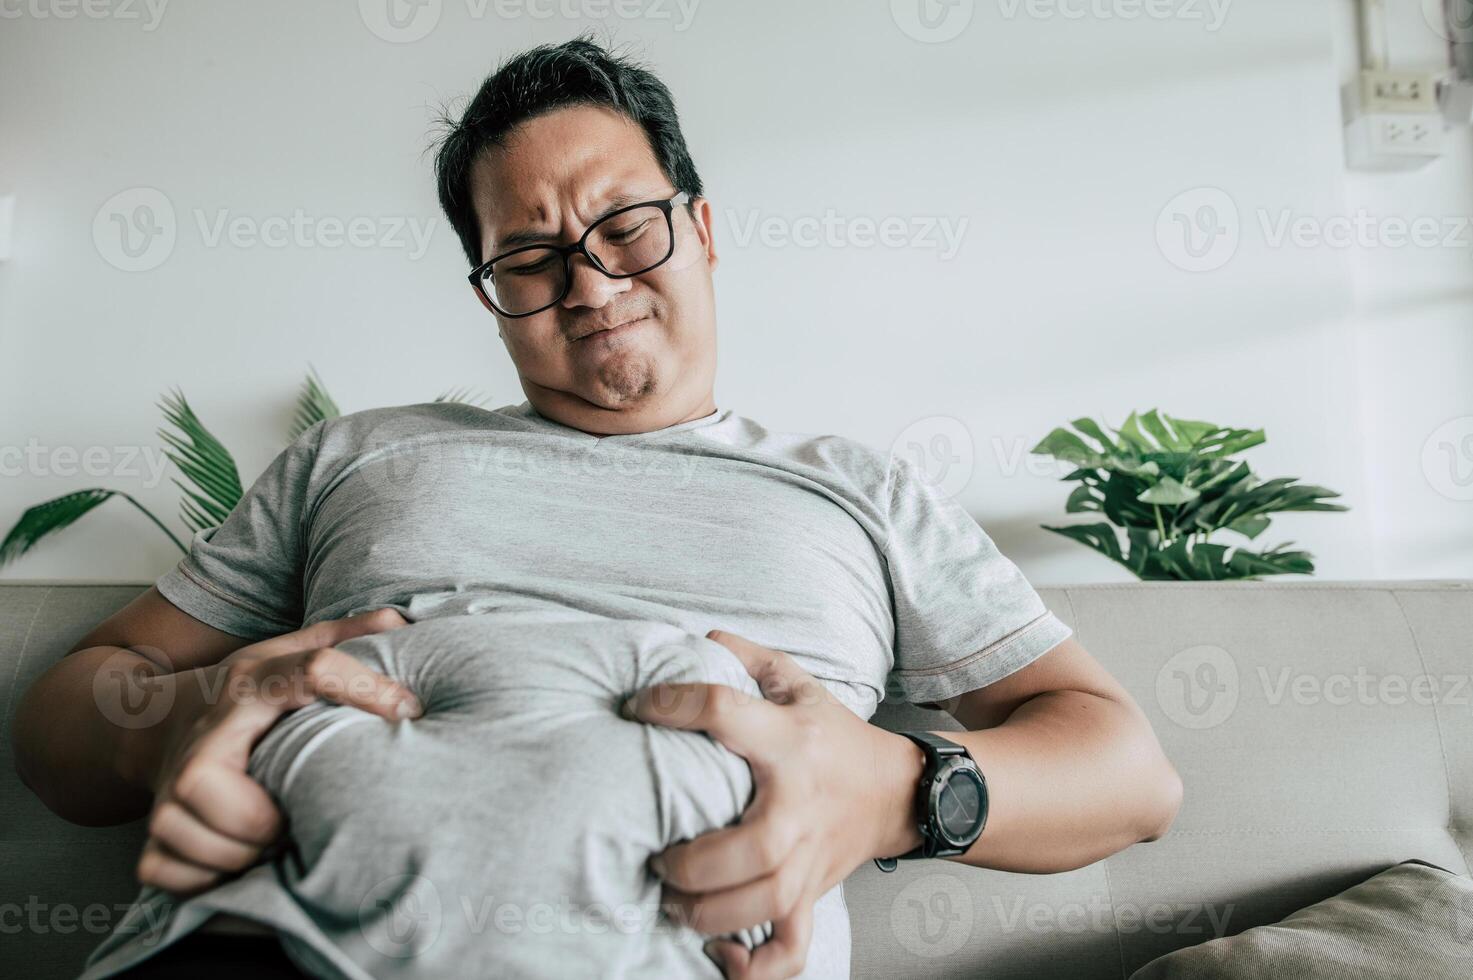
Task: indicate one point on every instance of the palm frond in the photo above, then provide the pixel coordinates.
(204, 461)
(60, 513)
(48, 518)
(313, 404)
(463, 396)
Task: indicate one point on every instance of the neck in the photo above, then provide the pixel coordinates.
(577, 413)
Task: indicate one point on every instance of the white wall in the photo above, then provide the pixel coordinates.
(1057, 140)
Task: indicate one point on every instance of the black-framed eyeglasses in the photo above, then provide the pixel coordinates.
(624, 243)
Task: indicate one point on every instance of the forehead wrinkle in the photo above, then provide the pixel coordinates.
(595, 207)
(535, 157)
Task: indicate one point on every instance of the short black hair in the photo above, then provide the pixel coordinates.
(545, 78)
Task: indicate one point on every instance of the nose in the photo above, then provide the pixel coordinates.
(589, 287)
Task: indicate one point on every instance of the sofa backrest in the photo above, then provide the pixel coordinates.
(1324, 732)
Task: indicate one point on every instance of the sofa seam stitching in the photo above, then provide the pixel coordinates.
(1114, 918)
(15, 694)
(1073, 613)
(1447, 772)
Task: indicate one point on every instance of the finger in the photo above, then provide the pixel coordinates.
(745, 724)
(786, 953)
(177, 828)
(730, 856)
(295, 680)
(777, 674)
(363, 624)
(767, 899)
(160, 867)
(728, 954)
(220, 795)
(329, 632)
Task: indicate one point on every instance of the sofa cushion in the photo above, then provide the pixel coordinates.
(1414, 920)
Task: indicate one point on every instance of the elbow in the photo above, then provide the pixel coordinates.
(1165, 796)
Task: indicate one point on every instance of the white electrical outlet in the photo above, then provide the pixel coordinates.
(1397, 91)
(1394, 140)
(1393, 120)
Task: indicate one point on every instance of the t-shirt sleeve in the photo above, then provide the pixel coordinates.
(244, 576)
(964, 614)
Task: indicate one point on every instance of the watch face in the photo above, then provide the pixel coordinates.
(962, 806)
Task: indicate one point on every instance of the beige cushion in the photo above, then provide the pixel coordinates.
(1414, 920)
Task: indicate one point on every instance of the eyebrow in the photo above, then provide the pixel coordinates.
(517, 239)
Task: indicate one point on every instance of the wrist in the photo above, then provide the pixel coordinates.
(899, 778)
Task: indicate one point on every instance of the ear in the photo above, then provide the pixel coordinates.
(705, 222)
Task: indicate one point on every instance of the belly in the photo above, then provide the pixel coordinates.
(508, 827)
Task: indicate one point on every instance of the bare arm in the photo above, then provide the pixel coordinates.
(1074, 771)
(82, 765)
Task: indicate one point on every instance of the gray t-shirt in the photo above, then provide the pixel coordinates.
(849, 559)
(602, 563)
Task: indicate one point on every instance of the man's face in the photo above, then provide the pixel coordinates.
(616, 355)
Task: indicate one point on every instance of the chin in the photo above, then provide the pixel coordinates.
(625, 379)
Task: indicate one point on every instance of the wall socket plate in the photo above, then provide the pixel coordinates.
(1398, 91)
(1386, 141)
(1393, 120)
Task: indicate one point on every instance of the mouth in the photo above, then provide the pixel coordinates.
(609, 332)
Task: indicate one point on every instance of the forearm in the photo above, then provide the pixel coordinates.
(84, 765)
(1072, 778)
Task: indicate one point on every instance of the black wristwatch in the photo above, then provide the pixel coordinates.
(951, 802)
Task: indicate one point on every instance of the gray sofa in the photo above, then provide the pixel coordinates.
(1324, 733)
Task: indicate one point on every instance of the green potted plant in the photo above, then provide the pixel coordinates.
(1166, 486)
(213, 488)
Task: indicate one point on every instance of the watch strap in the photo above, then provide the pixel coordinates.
(935, 749)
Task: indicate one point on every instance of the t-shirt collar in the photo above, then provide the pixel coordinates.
(526, 410)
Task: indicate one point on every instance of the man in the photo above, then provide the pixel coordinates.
(619, 489)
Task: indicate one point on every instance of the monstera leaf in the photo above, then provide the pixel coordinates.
(1165, 486)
